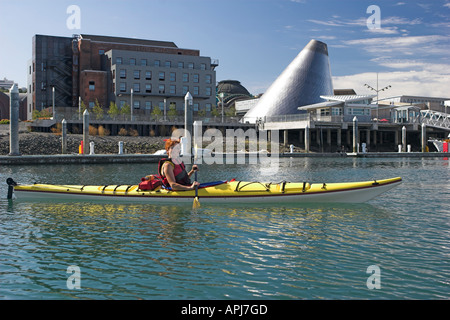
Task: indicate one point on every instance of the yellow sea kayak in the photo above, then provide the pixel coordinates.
(218, 192)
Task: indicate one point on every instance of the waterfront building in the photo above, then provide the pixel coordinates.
(302, 83)
(330, 123)
(342, 108)
(108, 69)
(51, 65)
(6, 84)
(230, 92)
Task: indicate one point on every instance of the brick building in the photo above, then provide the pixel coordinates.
(105, 69)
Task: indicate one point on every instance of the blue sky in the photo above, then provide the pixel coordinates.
(255, 40)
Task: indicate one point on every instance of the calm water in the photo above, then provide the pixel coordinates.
(126, 251)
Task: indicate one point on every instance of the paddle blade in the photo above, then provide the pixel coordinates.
(196, 203)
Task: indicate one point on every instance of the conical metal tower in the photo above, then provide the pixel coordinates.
(302, 83)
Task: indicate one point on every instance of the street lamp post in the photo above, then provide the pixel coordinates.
(132, 104)
(377, 91)
(165, 109)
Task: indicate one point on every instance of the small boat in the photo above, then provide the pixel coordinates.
(222, 192)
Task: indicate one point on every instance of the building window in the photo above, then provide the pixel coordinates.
(208, 91)
(123, 73)
(132, 61)
(119, 60)
(157, 63)
(208, 107)
(336, 111)
(148, 88)
(91, 104)
(168, 64)
(161, 105)
(208, 79)
(137, 74)
(357, 111)
(173, 89)
(91, 85)
(162, 76)
(195, 106)
(196, 90)
(173, 77)
(185, 89)
(180, 65)
(190, 65)
(101, 51)
(196, 78)
(148, 105)
(136, 104)
(148, 75)
(203, 66)
(162, 88)
(143, 62)
(123, 87)
(137, 87)
(185, 77)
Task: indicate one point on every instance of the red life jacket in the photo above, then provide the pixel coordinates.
(179, 171)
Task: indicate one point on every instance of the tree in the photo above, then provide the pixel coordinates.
(231, 112)
(157, 112)
(126, 109)
(98, 110)
(83, 108)
(172, 113)
(113, 110)
(215, 112)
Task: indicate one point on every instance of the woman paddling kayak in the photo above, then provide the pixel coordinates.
(173, 171)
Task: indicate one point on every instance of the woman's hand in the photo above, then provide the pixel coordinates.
(193, 170)
(194, 185)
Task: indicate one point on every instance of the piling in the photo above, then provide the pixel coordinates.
(424, 137)
(64, 136)
(120, 147)
(85, 131)
(403, 139)
(355, 135)
(307, 139)
(188, 115)
(14, 121)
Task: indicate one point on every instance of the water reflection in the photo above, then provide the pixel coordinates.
(142, 251)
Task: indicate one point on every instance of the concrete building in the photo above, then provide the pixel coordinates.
(105, 69)
(158, 80)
